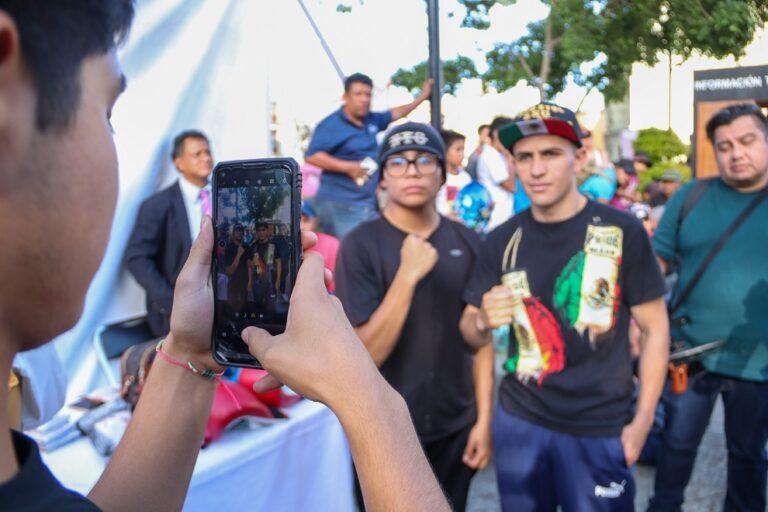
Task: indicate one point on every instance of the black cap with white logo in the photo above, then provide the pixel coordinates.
(412, 136)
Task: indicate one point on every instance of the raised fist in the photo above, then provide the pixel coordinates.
(417, 258)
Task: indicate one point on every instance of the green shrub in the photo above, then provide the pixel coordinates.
(661, 145)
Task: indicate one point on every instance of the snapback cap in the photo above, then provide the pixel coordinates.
(542, 119)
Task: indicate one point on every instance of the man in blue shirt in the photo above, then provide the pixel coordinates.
(344, 146)
(728, 303)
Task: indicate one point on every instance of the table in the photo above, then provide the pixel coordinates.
(300, 464)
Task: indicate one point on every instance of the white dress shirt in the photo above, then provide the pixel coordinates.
(193, 205)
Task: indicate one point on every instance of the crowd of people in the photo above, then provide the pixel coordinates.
(253, 267)
(572, 264)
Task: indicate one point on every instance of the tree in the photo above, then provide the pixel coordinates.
(264, 202)
(595, 42)
(454, 72)
(661, 145)
(553, 49)
(666, 150)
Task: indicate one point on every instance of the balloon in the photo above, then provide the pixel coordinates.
(473, 206)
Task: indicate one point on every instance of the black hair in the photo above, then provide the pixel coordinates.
(180, 139)
(450, 136)
(357, 78)
(729, 114)
(262, 225)
(55, 38)
(497, 123)
(482, 127)
(643, 157)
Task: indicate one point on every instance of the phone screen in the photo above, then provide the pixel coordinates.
(254, 261)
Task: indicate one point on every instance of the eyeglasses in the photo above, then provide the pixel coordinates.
(398, 165)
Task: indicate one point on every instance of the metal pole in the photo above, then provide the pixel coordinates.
(435, 66)
(325, 46)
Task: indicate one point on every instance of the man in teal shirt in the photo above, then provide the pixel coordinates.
(729, 303)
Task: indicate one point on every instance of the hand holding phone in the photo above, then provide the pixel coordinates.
(320, 367)
(253, 281)
(370, 166)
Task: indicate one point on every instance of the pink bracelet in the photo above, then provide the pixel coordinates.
(206, 374)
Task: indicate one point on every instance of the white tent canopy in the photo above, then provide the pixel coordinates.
(189, 64)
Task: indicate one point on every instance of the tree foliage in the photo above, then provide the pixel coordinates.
(454, 72)
(595, 42)
(477, 12)
(666, 150)
(662, 146)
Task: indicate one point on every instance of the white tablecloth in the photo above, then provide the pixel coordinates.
(296, 465)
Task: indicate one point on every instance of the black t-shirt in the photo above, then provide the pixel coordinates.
(431, 365)
(267, 251)
(241, 271)
(282, 247)
(569, 364)
(34, 488)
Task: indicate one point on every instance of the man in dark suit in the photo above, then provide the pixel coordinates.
(166, 225)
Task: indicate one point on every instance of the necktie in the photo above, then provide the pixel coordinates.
(205, 198)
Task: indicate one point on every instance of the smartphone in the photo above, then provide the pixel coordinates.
(257, 251)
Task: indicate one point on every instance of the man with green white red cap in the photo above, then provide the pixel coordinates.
(567, 275)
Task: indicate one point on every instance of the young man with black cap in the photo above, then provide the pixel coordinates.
(60, 77)
(400, 278)
(567, 275)
(238, 258)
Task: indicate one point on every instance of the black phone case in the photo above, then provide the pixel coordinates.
(248, 166)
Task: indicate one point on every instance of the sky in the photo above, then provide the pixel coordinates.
(649, 86)
(377, 38)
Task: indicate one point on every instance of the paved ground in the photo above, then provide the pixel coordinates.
(705, 493)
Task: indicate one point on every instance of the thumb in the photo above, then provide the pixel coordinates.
(202, 248)
(197, 269)
(469, 456)
(259, 342)
(311, 275)
(267, 383)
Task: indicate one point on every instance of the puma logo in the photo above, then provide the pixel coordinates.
(613, 490)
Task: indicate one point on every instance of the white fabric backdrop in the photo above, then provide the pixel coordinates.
(190, 64)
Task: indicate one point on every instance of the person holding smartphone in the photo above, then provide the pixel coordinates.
(400, 277)
(57, 91)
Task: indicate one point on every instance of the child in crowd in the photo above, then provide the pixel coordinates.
(456, 177)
